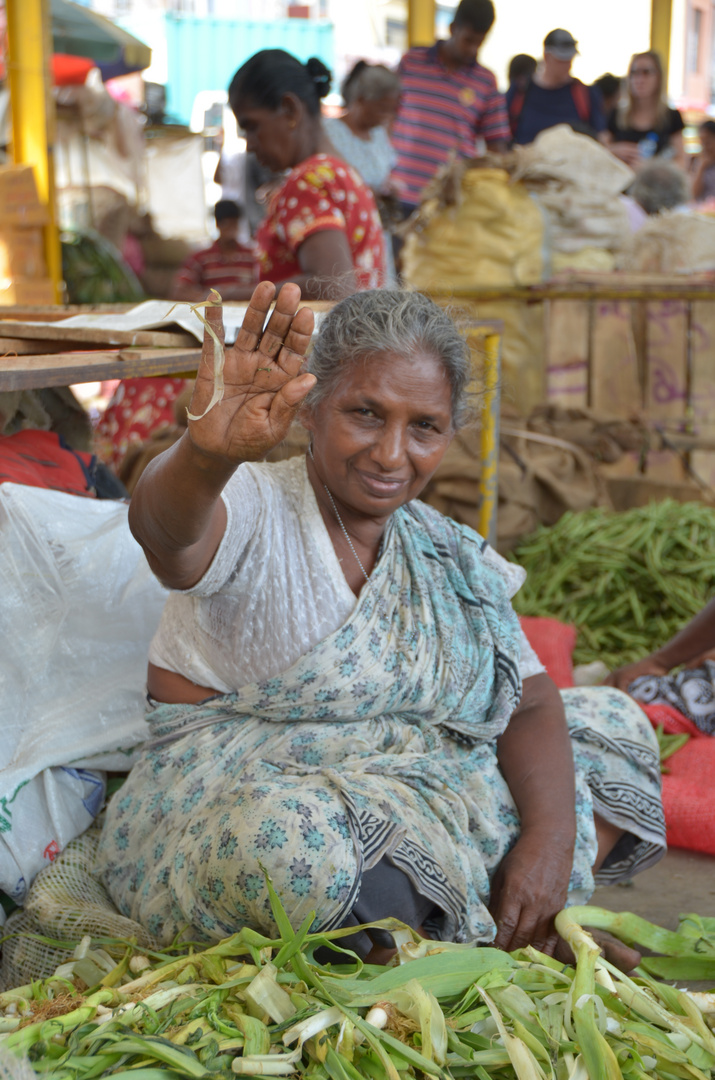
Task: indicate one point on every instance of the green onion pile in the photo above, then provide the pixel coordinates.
(253, 1007)
(628, 581)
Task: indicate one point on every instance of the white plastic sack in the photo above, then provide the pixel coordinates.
(578, 184)
(79, 607)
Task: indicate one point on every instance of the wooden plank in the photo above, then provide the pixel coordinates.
(28, 347)
(57, 312)
(80, 336)
(614, 383)
(33, 372)
(702, 389)
(567, 354)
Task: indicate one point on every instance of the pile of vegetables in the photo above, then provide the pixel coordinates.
(628, 581)
(249, 1006)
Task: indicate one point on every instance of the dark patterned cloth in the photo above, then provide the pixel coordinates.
(691, 692)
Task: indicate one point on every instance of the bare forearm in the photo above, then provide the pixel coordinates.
(535, 757)
(695, 638)
(313, 286)
(177, 514)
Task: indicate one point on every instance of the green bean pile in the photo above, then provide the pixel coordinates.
(628, 581)
(251, 1006)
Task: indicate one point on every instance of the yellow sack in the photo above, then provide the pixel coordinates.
(491, 235)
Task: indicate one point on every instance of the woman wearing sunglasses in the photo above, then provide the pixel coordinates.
(644, 125)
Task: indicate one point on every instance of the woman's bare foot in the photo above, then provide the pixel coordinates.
(621, 956)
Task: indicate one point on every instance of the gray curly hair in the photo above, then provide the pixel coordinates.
(389, 321)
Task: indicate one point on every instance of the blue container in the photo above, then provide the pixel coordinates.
(204, 53)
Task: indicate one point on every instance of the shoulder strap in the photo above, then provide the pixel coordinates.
(515, 107)
(581, 99)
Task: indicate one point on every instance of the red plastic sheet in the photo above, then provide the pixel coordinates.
(689, 784)
(553, 642)
(42, 459)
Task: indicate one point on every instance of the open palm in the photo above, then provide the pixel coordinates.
(263, 384)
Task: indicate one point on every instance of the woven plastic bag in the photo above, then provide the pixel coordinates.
(65, 902)
(478, 229)
(79, 607)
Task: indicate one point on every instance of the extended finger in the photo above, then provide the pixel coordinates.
(281, 320)
(203, 387)
(544, 936)
(515, 926)
(214, 317)
(292, 355)
(288, 400)
(549, 946)
(253, 321)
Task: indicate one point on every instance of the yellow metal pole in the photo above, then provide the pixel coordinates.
(33, 111)
(420, 22)
(489, 479)
(660, 17)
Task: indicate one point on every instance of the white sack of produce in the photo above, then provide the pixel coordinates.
(79, 607)
(672, 242)
(578, 183)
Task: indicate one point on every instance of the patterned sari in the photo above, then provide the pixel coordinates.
(379, 742)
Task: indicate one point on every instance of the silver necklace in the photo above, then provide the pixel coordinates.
(346, 534)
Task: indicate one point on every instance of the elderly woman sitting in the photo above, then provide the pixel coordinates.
(340, 694)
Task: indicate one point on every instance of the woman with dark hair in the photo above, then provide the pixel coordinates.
(644, 125)
(322, 229)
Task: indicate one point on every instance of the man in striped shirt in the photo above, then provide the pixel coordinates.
(227, 265)
(448, 102)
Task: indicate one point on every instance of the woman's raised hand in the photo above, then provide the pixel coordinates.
(263, 383)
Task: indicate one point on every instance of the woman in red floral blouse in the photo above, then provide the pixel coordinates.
(322, 229)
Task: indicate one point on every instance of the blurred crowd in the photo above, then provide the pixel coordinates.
(396, 130)
(321, 200)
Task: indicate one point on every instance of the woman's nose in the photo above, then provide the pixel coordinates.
(389, 449)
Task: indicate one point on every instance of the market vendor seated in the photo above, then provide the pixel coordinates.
(340, 693)
(681, 673)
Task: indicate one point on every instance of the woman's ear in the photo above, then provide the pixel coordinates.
(306, 417)
(292, 108)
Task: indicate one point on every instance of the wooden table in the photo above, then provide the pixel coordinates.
(34, 371)
(64, 369)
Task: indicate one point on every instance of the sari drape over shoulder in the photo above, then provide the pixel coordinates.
(379, 742)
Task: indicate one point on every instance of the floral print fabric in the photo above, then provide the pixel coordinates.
(137, 408)
(321, 194)
(378, 742)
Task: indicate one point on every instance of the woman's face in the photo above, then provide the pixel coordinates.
(378, 438)
(643, 78)
(375, 113)
(269, 133)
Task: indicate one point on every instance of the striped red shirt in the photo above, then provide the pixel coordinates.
(212, 269)
(442, 110)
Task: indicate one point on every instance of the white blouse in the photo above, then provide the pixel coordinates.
(274, 589)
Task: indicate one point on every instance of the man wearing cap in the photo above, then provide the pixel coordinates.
(554, 96)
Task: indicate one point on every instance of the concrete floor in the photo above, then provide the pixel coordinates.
(683, 881)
